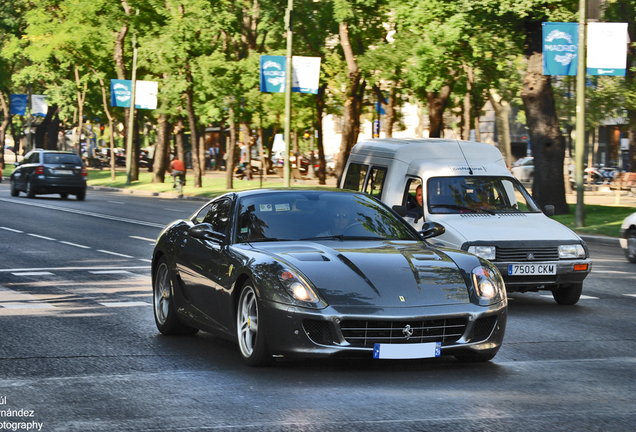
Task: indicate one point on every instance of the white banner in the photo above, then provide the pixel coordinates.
(305, 74)
(38, 105)
(146, 94)
(607, 48)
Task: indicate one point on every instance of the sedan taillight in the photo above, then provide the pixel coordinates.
(39, 169)
(84, 172)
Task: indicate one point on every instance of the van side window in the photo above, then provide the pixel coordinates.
(355, 176)
(410, 200)
(375, 182)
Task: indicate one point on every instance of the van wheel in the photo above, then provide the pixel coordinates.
(568, 294)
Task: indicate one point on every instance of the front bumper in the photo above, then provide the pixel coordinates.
(565, 274)
(297, 332)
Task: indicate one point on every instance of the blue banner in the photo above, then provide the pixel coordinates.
(272, 76)
(18, 104)
(120, 93)
(560, 48)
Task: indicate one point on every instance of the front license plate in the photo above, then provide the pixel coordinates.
(531, 269)
(407, 351)
(63, 172)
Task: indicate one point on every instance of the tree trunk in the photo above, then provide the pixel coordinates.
(354, 94)
(229, 151)
(3, 128)
(548, 145)
(502, 120)
(631, 114)
(262, 153)
(81, 95)
(467, 103)
(437, 102)
(194, 142)
(320, 106)
(161, 149)
(42, 129)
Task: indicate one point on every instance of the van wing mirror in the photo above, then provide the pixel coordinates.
(548, 210)
(431, 229)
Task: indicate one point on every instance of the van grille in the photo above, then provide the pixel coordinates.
(522, 254)
(367, 333)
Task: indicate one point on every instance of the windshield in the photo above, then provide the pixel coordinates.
(315, 215)
(478, 194)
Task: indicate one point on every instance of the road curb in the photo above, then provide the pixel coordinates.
(168, 195)
(614, 241)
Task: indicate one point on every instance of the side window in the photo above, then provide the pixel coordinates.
(355, 176)
(375, 182)
(201, 215)
(413, 194)
(219, 215)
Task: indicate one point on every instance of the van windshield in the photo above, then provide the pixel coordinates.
(478, 194)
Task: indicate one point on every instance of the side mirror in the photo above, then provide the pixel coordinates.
(205, 231)
(431, 229)
(548, 210)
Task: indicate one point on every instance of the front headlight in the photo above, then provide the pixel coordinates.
(486, 252)
(297, 287)
(571, 251)
(488, 283)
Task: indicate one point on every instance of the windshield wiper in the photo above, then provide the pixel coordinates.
(329, 237)
(258, 240)
(458, 207)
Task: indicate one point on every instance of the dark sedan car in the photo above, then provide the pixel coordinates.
(50, 172)
(307, 273)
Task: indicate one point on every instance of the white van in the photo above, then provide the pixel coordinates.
(466, 188)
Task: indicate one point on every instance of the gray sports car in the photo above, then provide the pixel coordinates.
(314, 273)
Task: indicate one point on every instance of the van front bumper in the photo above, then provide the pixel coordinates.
(567, 272)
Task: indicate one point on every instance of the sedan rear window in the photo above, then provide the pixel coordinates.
(62, 158)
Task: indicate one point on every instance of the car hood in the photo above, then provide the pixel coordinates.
(376, 273)
(505, 227)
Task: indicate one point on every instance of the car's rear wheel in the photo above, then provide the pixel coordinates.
(30, 189)
(568, 294)
(81, 195)
(14, 190)
(630, 252)
(163, 304)
(250, 328)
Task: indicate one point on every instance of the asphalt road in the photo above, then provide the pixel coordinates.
(79, 349)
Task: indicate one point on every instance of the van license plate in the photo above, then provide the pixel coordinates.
(531, 269)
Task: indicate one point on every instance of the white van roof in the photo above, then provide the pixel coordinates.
(439, 149)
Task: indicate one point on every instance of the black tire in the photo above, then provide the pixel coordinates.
(81, 195)
(163, 304)
(568, 294)
(64, 195)
(475, 358)
(630, 251)
(30, 189)
(14, 191)
(250, 328)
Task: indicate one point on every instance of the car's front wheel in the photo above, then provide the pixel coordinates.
(250, 328)
(630, 251)
(568, 294)
(163, 304)
(14, 190)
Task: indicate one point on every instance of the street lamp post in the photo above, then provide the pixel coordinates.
(579, 217)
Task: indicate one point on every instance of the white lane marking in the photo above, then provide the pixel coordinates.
(145, 260)
(26, 306)
(142, 238)
(630, 295)
(115, 253)
(109, 272)
(612, 272)
(33, 273)
(583, 297)
(117, 202)
(125, 304)
(82, 212)
(12, 230)
(18, 270)
(75, 244)
(41, 236)
(173, 209)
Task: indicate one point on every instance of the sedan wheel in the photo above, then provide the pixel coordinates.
(250, 329)
(165, 315)
(568, 294)
(630, 252)
(30, 189)
(14, 191)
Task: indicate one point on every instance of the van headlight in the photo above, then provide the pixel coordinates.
(486, 252)
(571, 251)
(488, 283)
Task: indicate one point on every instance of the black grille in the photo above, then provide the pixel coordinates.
(521, 254)
(318, 331)
(483, 328)
(367, 333)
